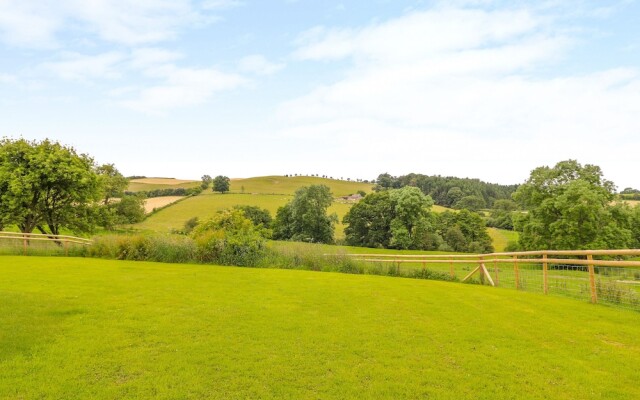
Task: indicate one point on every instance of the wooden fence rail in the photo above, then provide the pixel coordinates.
(62, 240)
(547, 259)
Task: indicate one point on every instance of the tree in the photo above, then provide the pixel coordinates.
(112, 181)
(465, 231)
(130, 209)
(259, 216)
(569, 207)
(47, 186)
(305, 218)
(397, 218)
(502, 214)
(471, 203)
(206, 182)
(221, 184)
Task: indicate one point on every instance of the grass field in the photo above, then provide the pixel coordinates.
(502, 237)
(85, 328)
(270, 192)
(288, 185)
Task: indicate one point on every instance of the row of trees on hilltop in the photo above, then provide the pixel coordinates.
(220, 183)
(48, 187)
(452, 192)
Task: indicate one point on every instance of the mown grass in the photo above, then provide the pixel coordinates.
(78, 328)
(501, 238)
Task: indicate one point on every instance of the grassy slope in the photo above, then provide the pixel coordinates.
(501, 237)
(257, 192)
(78, 328)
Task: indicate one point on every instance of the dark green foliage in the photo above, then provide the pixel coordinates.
(465, 231)
(305, 218)
(447, 191)
(206, 182)
(369, 221)
(47, 186)
(190, 225)
(194, 191)
(400, 218)
(471, 203)
(502, 214)
(569, 207)
(221, 184)
(129, 210)
(259, 216)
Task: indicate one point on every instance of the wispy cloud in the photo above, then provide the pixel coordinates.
(81, 67)
(258, 64)
(181, 87)
(443, 74)
(37, 23)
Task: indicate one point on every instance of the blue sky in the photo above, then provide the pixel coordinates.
(483, 89)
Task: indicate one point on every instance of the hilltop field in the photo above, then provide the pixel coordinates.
(75, 328)
(268, 192)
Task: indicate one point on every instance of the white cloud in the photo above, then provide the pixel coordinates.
(36, 23)
(181, 87)
(221, 4)
(457, 92)
(80, 67)
(259, 65)
(148, 57)
(6, 78)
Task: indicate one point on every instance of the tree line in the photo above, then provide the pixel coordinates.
(448, 191)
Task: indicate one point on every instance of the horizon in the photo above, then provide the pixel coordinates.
(486, 90)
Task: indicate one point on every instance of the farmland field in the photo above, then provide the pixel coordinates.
(157, 202)
(87, 328)
(270, 192)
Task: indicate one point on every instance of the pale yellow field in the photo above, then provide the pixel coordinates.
(157, 202)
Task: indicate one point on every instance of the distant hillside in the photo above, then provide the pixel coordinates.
(270, 192)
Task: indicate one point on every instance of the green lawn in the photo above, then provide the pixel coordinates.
(288, 185)
(85, 328)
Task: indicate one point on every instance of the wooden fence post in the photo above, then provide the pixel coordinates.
(24, 244)
(592, 280)
(516, 272)
(545, 274)
(481, 270)
(495, 269)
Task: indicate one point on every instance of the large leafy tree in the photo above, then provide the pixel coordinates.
(397, 218)
(221, 184)
(569, 207)
(47, 186)
(305, 218)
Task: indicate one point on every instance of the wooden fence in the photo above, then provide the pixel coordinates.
(26, 238)
(608, 273)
